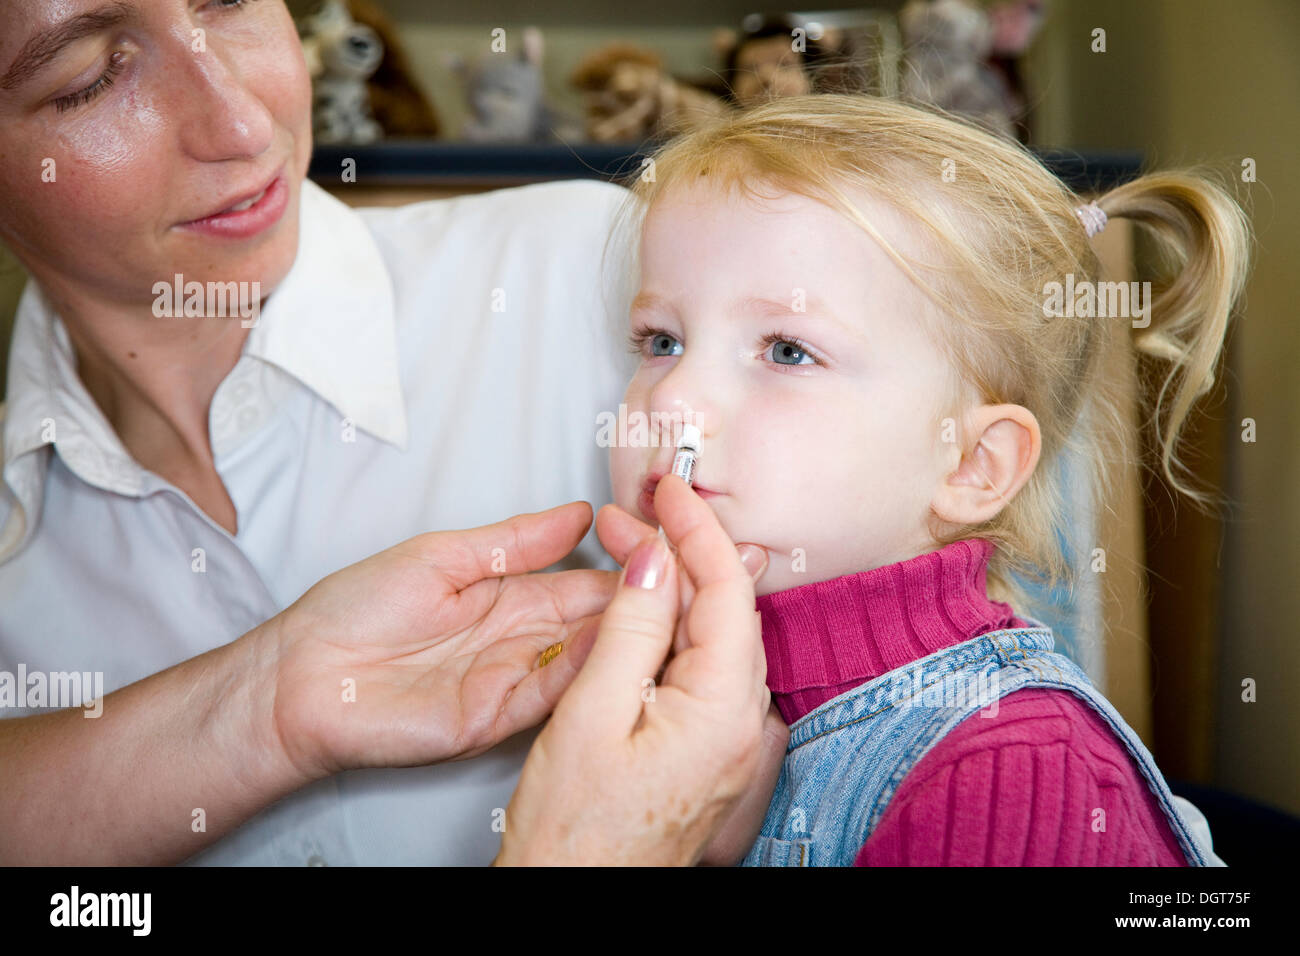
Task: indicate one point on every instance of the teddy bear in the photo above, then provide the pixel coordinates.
(400, 106)
(629, 97)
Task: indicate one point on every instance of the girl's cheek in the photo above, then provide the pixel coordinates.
(623, 477)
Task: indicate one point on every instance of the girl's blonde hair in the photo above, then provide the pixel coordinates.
(998, 227)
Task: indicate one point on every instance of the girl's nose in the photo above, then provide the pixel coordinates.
(678, 400)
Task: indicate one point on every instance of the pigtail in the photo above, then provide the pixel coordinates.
(1204, 237)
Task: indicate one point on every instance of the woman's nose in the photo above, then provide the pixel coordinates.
(224, 119)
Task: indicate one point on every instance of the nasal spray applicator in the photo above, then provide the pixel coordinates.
(688, 453)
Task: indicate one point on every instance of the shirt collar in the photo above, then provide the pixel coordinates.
(330, 324)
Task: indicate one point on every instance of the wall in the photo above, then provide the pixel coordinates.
(1201, 81)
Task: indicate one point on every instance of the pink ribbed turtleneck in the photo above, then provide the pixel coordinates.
(1015, 789)
(826, 638)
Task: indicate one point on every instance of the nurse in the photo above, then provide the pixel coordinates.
(175, 487)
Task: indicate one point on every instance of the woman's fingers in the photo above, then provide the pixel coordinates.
(636, 631)
(526, 542)
(619, 532)
(722, 618)
(575, 594)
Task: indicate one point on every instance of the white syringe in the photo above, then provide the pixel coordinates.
(688, 453)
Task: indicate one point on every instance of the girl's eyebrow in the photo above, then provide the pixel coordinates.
(37, 52)
(808, 305)
(649, 302)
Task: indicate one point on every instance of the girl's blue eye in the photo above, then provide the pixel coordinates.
(664, 344)
(785, 352)
(785, 349)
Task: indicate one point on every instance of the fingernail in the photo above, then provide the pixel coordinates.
(647, 566)
(753, 558)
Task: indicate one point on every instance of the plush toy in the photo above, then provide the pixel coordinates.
(628, 97)
(948, 44)
(507, 96)
(361, 83)
(341, 55)
(1015, 24)
(399, 105)
(795, 54)
(768, 59)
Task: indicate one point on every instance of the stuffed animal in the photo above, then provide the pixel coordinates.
(628, 96)
(1015, 24)
(361, 82)
(507, 96)
(947, 45)
(766, 60)
(793, 54)
(398, 103)
(341, 55)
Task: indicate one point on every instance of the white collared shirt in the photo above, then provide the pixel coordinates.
(434, 366)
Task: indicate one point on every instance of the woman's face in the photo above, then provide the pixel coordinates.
(791, 340)
(122, 124)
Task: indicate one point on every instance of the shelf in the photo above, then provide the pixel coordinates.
(445, 163)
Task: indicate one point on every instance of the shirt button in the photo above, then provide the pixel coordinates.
(316, 860)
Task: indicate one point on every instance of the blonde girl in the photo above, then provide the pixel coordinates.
(858, 302)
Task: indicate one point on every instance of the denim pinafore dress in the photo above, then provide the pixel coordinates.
(848, 758)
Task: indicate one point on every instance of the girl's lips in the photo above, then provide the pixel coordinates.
(645, 502)
(246, 223)
(646, 505)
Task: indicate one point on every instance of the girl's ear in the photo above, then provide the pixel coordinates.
(1006, 447)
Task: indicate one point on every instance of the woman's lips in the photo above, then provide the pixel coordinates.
(645, 502)
(246, 223)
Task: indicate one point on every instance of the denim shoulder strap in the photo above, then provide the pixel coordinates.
(847, 759)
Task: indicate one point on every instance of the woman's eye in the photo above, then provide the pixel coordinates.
(105, 81)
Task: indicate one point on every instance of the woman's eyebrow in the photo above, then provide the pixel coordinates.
(45, 46)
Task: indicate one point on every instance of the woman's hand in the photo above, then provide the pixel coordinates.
(428, 651)
(633, 771)
(742, 826)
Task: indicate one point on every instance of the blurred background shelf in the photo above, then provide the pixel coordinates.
(445, 164)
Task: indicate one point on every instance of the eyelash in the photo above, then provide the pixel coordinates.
(82, 97)
(639, 336)
(115, 66)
